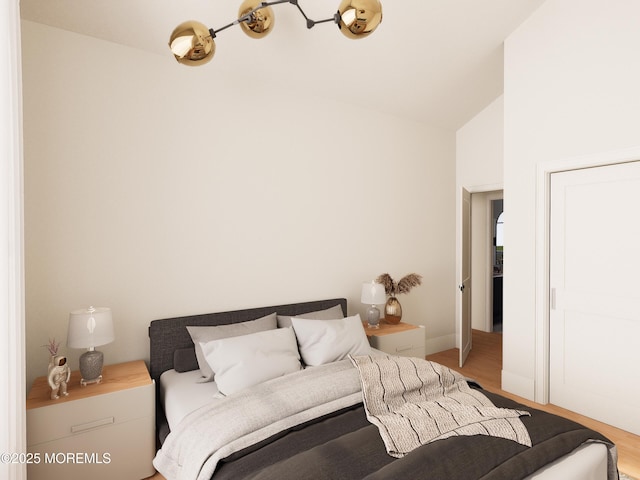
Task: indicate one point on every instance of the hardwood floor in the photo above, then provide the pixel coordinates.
(484, 364)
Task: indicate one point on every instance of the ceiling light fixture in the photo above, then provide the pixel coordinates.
(192, 42)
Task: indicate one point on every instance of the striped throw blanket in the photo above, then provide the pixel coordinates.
(414, 402)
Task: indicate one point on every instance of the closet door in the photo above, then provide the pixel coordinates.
(595, 293)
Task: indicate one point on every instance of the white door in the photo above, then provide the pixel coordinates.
(595, 293)
(465, 279)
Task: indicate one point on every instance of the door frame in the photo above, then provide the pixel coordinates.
(12, 289)
(542, 250)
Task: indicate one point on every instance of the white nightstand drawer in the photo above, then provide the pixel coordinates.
(99, 454)
(409, 343)
(54, 422)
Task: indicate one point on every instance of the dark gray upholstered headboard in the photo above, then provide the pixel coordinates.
(170, 334)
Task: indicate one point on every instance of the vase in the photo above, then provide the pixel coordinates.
(393, 311)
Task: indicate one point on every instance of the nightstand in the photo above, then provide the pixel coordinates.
(101, 431)
(401, 339)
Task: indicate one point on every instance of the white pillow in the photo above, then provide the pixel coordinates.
(326, 341)
(216, 332)
(240, 362)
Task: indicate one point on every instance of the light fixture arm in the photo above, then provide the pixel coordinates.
(249, 16)
(311, 23)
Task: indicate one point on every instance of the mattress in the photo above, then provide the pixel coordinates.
(587, 462)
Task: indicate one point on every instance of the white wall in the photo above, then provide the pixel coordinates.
(479, 149)
(571, 88)
(479, 158)
(162, 190)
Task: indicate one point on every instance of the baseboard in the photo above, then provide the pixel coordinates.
(518, 385)
(439, 344)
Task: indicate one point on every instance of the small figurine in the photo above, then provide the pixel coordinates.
(59, 374)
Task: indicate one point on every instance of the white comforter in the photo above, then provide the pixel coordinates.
(215, 431)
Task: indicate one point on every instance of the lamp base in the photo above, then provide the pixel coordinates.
(91, 367)
(84, 382)
(373, 317)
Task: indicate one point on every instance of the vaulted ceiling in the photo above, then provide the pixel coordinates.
(433, 61)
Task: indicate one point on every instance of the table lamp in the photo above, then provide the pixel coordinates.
(90, 328)
(373, 294)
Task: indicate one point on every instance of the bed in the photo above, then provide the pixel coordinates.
(320, 422)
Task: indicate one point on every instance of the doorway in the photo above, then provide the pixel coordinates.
(487, 260)
(474, 264)
(497, 260)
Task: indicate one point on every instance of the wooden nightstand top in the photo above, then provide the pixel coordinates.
(114, 378)
(387, 328)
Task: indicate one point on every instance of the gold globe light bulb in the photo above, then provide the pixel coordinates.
(191, 44)
(261, 22)
(359, 18)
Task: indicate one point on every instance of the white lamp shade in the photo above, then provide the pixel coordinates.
(90, 327)
(373, 294)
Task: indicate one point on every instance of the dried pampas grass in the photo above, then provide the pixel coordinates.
(406, 283)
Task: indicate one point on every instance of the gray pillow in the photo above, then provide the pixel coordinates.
(206, 334)
(332, 313)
